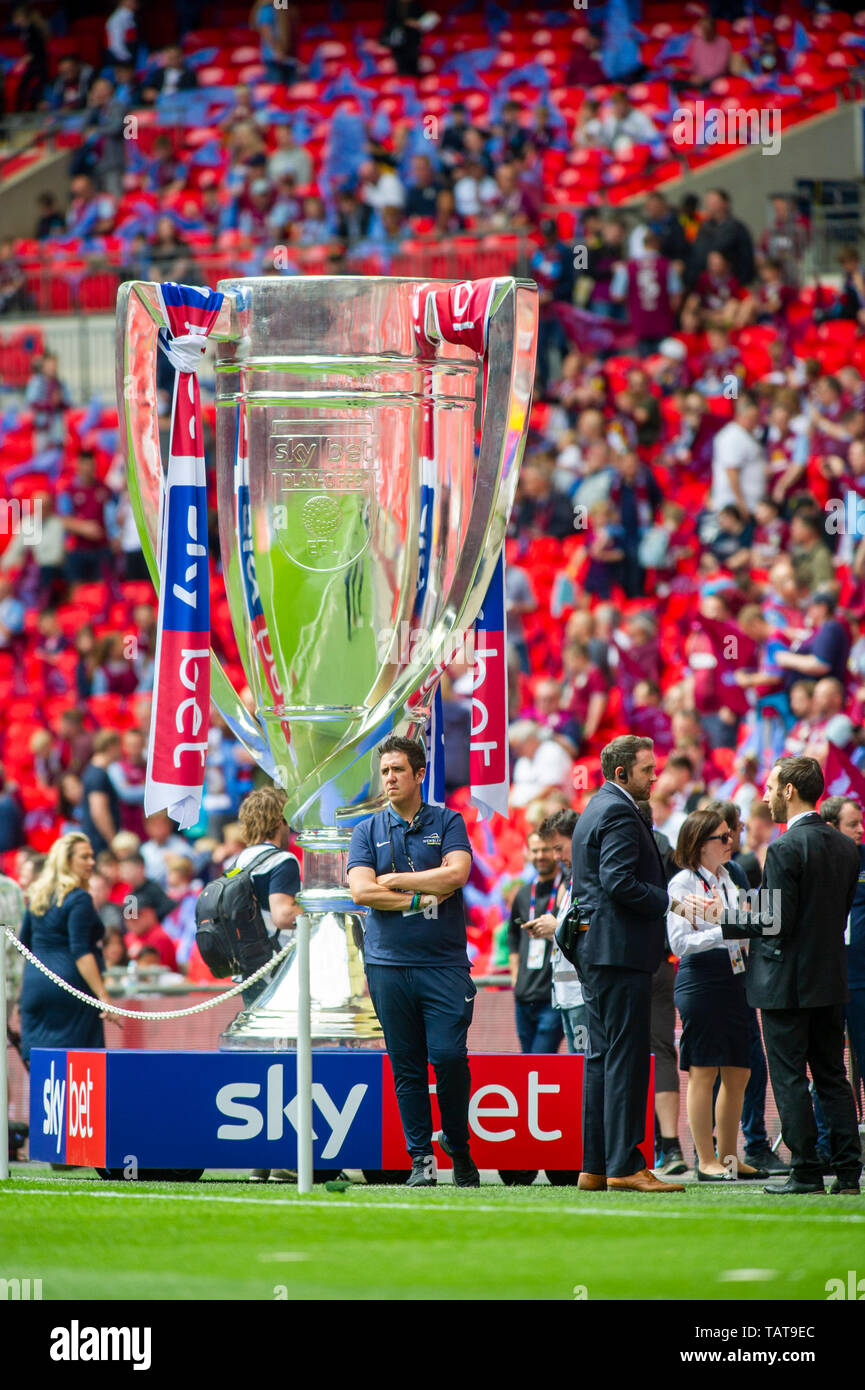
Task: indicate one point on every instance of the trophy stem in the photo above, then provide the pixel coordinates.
(304, 1060)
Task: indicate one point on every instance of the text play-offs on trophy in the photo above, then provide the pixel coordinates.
(352, 510)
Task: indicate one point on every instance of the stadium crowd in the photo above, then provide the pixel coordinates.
(429, 143)
(686, 556)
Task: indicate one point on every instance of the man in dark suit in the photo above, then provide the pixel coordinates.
(621, 887)
(757, 1149)
(797, 976)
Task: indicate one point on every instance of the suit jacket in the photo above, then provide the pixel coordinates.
(619, 883)
(797, 957)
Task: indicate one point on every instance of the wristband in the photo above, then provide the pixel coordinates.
(415, 902)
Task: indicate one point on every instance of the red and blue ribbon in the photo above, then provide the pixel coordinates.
(181, 690)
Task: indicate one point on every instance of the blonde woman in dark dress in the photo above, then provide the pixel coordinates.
(63, 929)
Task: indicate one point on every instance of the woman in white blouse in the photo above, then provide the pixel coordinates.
(710, 997)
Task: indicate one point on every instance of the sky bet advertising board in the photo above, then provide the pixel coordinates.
(239, 1110)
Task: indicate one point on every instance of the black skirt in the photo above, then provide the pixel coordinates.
(716, 1018)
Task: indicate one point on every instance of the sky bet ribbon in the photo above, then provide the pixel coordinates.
(181, 689)
(461, 315)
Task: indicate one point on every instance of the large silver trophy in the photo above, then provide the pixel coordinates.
(325, 413)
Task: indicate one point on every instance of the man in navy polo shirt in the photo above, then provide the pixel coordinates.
(408, 865)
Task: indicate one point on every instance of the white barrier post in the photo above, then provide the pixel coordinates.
(4, 1085)
(304, 1059)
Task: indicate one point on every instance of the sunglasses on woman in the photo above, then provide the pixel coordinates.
(725, 839)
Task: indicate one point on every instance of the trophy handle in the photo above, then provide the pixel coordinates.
(139, 319)
(511, 352)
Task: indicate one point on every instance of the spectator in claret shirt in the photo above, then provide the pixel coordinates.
(719, 300)
(772, 299)
(787, 447)
(650, 286)
(584, 66)
(584, 698)
(691, 447)
(82, 507)
(128, 773)
(144, 930)
(770, 534)
(113, 672)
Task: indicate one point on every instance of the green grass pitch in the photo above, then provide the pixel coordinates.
(224, 1238)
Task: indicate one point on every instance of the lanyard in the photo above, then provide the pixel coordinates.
(719, 887)
(405, 846)
(550, 905)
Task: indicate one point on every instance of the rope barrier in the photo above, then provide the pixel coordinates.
(152, 1017)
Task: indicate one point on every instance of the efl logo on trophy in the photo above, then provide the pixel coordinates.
(321, 480)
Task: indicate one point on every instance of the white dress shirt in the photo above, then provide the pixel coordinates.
(686, 940)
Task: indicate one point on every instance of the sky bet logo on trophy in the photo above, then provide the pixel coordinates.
(351, 499)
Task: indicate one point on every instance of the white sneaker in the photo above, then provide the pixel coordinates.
(283, 1175)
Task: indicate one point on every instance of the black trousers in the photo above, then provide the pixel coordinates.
(617, 1066)
(662, 1039)
(425, 1012)
(796, 1038)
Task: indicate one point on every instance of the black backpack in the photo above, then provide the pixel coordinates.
(230, 931)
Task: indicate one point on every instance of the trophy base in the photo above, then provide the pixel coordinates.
(341, 1012)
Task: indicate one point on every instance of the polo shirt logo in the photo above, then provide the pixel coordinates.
(432, 839)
